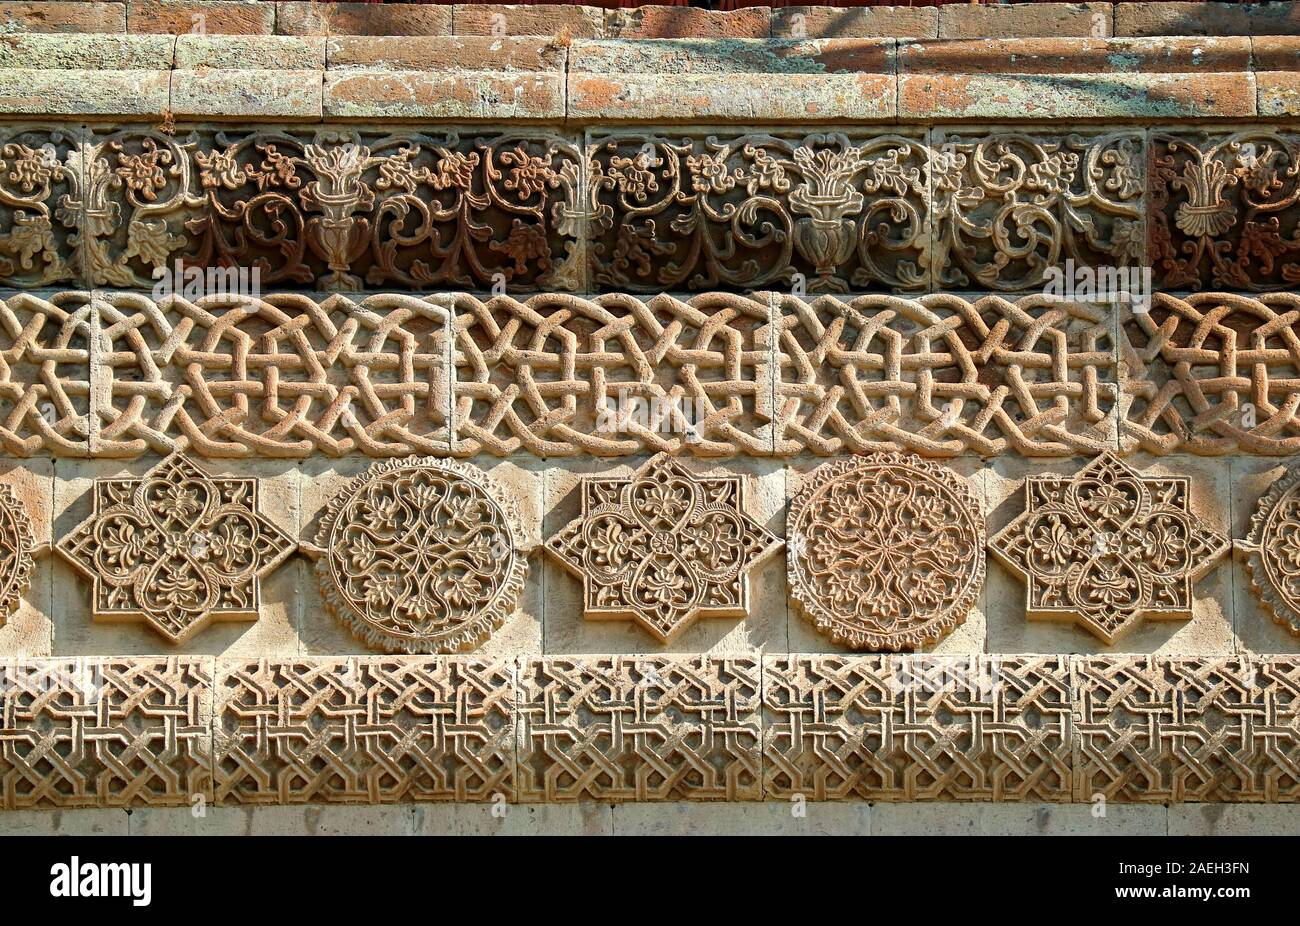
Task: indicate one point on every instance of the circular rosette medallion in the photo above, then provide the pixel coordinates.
(1272, 551)
(16, 546)
(885, 552)
(421, 556)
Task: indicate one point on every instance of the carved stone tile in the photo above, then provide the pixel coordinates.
(365, 730)
(906, 728)
(639, 728)
(421, 555)
(1010, 205)
(17, 545)
(560, 375)
(105, 732)
(885, 552)
(943, 376)
(663, 547)
(725, 211)
(40, 205)
(1212, 373)
(45, 373)
(175, 549)
(336, 208)
(1272, 550)
(281, 376)
(1223, 210)
(1108, 547)
(1187, 729)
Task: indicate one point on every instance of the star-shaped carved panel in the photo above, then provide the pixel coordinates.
(1272, 550)
(17, 545)
(1108, 547)
(886, 551)
(663, 547)
(421, 556)
(176, 549)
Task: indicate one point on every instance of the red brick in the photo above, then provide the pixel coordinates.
(224, 17)
(863, 22)
(55, 16)
(578, 22)
(975, 21)
(1207, 19)
(674, 22)
(298, 17)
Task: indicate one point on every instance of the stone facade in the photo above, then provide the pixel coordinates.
(584, 412)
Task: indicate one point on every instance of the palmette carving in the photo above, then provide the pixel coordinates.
(175, 549)
(1108, 546)
(885, 552)
(421, 556)
(1271, 550)
(663, 547)
(17, 547)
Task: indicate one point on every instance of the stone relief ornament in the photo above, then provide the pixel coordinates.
(1272, 550)
(176, 549)
(421, 556)
(885, 552)
(1108, 547)
(663, 547)
(17, 548)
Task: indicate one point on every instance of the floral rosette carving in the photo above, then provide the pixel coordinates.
(421, 555)
(663, 547)
(176, 549)
(885, 552)
(17, 547)
(1108, 547)
(1272, 550)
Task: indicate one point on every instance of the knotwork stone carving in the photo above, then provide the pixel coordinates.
(1108, 547)
(421, 556)
(176, 549)
(663, 547)
(17, 546)
(885, 552)
(1272, 550)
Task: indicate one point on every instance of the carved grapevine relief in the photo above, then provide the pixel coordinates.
(421, 556)
(1108, 547)
(885, 552)
(1272, 550)
(17, 547)
(176, 549)
(663, 547)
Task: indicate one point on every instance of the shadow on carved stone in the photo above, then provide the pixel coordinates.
(1272, 550)
(17, 548)
(421, 556)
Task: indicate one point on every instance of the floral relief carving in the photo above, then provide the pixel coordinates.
(17, 548)
(754, 210)
(885, 552)
(663, 547)
(176, 549)
(421, 555)
(1223, 210)
(1009, 206)
(1108, 547)
(1271, 550)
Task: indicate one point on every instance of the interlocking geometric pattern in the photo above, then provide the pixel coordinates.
(885, 552)
(1212, 373)
(105, 732)
(663, 547)
(176, 549)
(45, 345)
(907, 728)
(1188, 729)
(17, 544)
(639, 728)
(365, 730)
(421, 556)
(1272, 550)
(1223, 211)
(1108, 547)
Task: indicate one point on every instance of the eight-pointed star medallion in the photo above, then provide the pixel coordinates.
(663, 547)
(176, 549)
(1108, 547)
